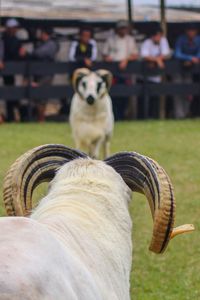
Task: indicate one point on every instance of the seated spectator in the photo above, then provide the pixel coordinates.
(47, 47)
(1, 67)
(12, 52)
(45, 51)
(121, 48)
(187, 50)
(188, 46)
(154, 50)
(84, 51)
(1, 54)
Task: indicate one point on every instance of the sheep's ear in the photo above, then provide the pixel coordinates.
(78, 75)
(106, 76)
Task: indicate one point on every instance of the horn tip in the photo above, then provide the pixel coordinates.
(186, 228)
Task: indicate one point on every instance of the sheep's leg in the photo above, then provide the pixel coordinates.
(90, 150)
(78, 144)
(106, 147)
(95, 148)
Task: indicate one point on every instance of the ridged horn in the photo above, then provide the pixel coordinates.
(106, 76)
(32, 168)
(78, 75)
(146, 176)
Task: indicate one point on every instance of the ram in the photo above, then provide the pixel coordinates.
(91, 116)
(76, 244)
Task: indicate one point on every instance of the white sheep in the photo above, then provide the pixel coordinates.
(77, 242)
(91, 115)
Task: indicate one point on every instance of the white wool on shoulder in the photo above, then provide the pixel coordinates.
(87, 211)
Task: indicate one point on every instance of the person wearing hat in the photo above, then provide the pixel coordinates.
(12, 47)
(12, 44)
(1, 67)
(121, 48)
(187, 50)
(154, 51)
(1, 54)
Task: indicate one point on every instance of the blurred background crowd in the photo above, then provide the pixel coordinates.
(121, 45)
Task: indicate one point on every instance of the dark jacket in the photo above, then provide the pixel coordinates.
(79, 52)
(1, 50)
(12, 46)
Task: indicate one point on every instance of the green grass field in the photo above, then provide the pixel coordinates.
(174, 275)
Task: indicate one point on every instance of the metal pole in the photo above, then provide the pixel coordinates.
(130, 12)
(0, 13)
(163, 20)
(163, 23)
(1, 22)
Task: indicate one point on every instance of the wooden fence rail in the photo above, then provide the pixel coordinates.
(137, 69)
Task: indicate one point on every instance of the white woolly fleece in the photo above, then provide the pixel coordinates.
(77, 243)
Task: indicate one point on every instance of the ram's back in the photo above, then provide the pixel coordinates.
(34, 265)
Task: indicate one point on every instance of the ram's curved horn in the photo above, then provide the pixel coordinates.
(34, 167)
(144, 175)
(78, 75)
(106, 76)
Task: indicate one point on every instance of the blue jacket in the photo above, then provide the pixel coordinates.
(185, 50)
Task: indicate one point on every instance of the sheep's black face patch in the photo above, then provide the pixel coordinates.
(84, 84)
(81, 86)
(99, 85)
(91, 88)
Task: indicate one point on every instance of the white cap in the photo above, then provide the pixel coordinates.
(11, 23)
(122, 24)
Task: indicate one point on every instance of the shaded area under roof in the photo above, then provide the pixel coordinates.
(90, 10)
